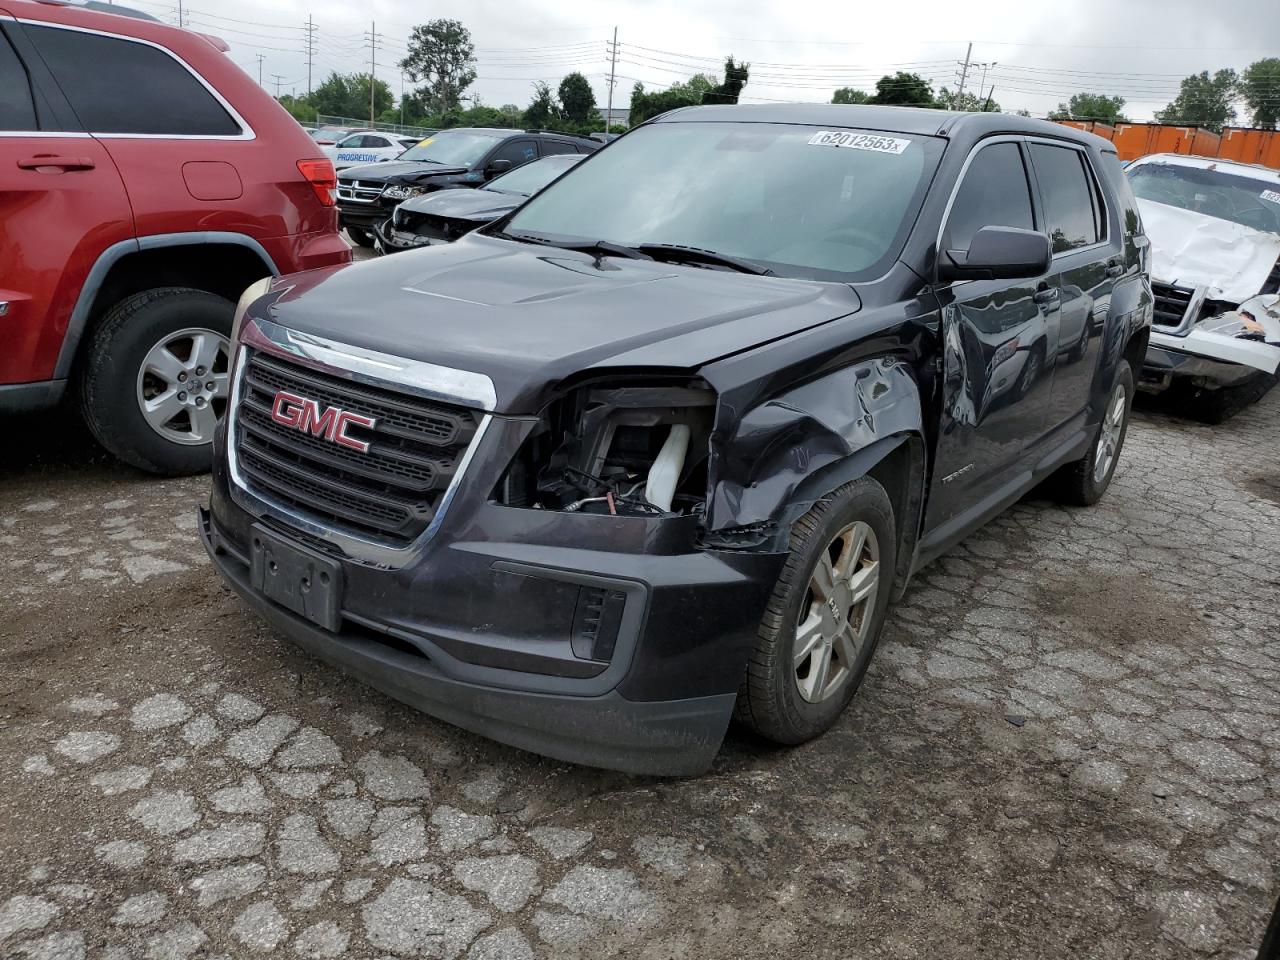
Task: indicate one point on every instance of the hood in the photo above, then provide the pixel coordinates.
(1190, 249)
(464, 204)
(403, 171)
(530, 316)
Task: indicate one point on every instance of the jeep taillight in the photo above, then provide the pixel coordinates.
(319, 173)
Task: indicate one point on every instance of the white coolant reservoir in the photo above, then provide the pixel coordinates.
(665, 474)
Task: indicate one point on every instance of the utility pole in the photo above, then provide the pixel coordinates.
(182, 20)
(260, 59)
(311, 49)
(613, 66)
(373, 66)
(964, 74)
(278, 77)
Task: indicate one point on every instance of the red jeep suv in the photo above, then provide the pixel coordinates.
(145, 182)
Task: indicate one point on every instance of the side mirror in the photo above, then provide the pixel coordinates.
(998, 253)
(496, 167)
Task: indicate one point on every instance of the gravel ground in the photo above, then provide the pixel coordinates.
(1068, 746)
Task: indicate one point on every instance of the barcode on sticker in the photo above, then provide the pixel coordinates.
(858, 141)
(1272, 196)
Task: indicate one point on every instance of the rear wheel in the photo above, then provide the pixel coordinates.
(360, 237)
(823, 621)
(155, 381)
(1084, 481)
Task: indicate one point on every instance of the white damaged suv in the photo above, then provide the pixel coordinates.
(1214, 227)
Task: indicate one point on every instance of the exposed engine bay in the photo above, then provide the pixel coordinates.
(624, 451)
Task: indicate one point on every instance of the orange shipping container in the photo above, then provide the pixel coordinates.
(1247, 145)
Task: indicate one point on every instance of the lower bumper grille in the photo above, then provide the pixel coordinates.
(389, 491)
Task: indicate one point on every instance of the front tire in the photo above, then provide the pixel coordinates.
(823, 622)
(1084, 481)
(360, 237)
(155, 380)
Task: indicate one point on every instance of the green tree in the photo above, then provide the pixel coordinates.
(735, 78)
(1091, 106)
(299, 108)
(850, 95)
(906, 89)
(1260, 89)
(968, 102)
(1204, 101)
(577, 101)
(543, 112)
(442, 58)
(347, 95)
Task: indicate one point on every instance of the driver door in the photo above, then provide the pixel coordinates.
(996, 333)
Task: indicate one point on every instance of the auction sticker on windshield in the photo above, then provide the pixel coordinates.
(858, 141)
(1272, 196)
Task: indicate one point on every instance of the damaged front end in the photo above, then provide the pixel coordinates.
(1223, 347)
(629, 449)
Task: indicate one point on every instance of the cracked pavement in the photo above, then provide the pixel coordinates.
(1068, 745)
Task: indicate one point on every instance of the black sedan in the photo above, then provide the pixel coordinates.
(444, 216)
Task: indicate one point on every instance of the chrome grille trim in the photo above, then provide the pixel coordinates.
(410, 377)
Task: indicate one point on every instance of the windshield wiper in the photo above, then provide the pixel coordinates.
(598, 248)
(677, 253)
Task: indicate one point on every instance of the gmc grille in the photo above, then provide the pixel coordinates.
(1171, 304)
(390, 492)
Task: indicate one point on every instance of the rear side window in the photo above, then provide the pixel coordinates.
(1070, 200)
(1131, 219)
(994, 193)
(17, 109)
(119, 86)
(552, 147)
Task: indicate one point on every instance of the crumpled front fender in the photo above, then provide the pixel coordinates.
(801, 445)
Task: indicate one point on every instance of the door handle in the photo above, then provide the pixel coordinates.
(1047, 296)
(1115, 269)
(60, 163)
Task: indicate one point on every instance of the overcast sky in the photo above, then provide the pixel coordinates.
(1042, 53)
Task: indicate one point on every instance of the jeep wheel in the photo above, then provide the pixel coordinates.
(155, 381)
(823, 621)
(360, 237)
(1084, 481)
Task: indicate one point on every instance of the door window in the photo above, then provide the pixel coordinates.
(17, 109)
(119, 86)
(1070, 200)
(994, 193)
(552, 147)
(517, 151)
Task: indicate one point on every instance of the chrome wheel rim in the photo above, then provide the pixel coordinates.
(836, 615)
(1109, 434)
(183, 385)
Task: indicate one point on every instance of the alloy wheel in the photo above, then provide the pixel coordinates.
(183, 385)
(836, 615)
(1109, 434)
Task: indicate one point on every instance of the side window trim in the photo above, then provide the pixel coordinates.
(246, 131)
(1101, 209)
(1033, 192)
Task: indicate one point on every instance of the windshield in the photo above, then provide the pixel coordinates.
(532, 177)
(456, 148)
(1227, 196)
(799, 200)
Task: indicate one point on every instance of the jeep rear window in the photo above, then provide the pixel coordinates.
(1214, 193)
(777, 194)
(454, 148)
(121, 86)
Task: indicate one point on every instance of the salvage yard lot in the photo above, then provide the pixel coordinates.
(1069, 745)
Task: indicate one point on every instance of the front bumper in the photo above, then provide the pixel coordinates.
(1162, 366)
(391, 240)
(479, 628)
(366, 216)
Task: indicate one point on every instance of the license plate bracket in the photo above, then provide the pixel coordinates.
(296, 577)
